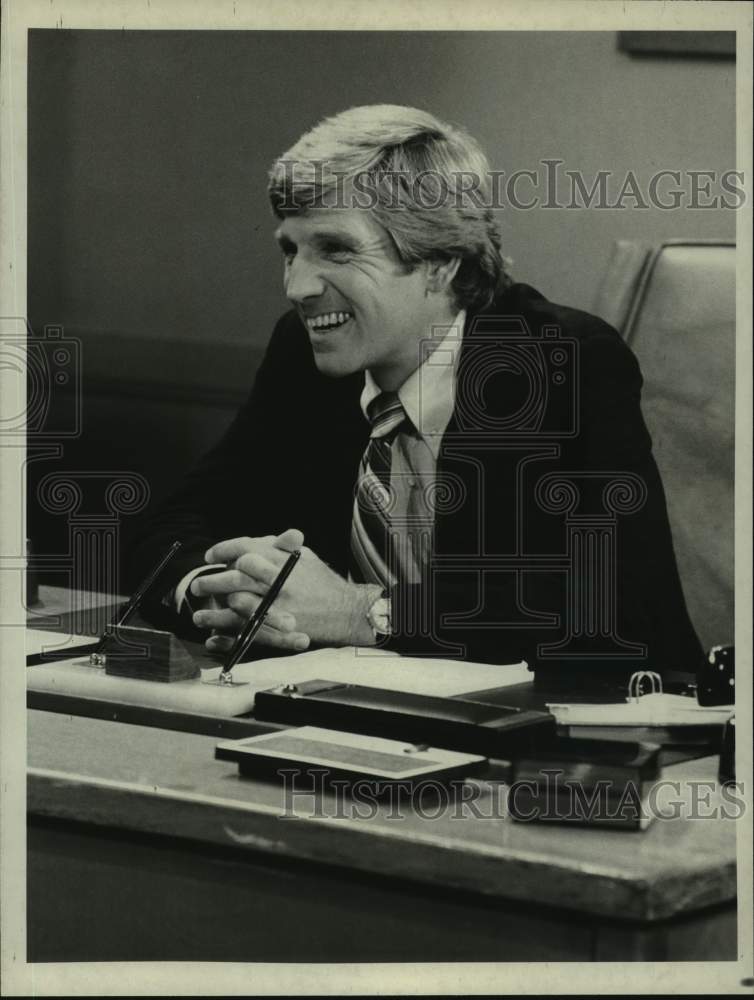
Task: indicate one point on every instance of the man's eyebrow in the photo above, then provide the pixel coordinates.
(336, 236)
(323, 238)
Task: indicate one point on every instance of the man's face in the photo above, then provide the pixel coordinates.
(361, 309)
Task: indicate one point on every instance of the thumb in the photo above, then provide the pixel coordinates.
(290, 540)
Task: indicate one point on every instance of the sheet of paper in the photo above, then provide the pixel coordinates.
(40, 641)
(54, 601)
(649, 710)
(380, 668)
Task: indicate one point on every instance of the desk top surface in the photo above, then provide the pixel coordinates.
(157, 781)
(167, 782)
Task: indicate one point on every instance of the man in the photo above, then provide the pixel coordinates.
(464, 463)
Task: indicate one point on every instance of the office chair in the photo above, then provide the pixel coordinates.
(674, 303)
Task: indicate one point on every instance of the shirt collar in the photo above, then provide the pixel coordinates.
(428, 394)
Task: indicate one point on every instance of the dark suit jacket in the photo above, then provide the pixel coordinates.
(552, 540)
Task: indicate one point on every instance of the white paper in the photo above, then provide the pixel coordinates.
(649, 710)
(380, 668)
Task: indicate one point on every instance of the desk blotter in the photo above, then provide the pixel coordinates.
(347, 665)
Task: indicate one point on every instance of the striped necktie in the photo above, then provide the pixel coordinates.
(373, 554)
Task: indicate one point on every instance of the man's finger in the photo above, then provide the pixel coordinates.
(256, 567)
(219, 643)
(233, 619)
(226, 582)
(290, 540)
(224, 618)
(295, 642)
(246, 604)
(229, 550)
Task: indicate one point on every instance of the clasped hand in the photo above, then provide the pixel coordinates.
(315, 605)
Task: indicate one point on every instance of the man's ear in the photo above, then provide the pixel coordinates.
(440, 274)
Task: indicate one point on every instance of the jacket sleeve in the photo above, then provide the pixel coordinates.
(222, 497)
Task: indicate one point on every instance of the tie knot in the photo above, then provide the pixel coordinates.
(385, 414)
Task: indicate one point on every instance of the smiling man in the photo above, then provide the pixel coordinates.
(414, 426)
(363, 310)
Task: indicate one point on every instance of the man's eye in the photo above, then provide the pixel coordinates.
(336, 251)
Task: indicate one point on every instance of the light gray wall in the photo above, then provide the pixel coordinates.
(149, 232)
(148, 153)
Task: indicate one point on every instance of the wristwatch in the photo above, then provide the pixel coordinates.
(379, 617)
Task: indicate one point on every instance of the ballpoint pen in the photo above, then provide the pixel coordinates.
(97, 657)
(250, 629)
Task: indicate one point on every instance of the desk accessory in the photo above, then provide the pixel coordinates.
(652, 709)
(326, 755)
(97, 649)
(134, 603)
(716, 678)
(671, 720)
(76, 678)
(586, 782)
(454, 723)
(141, 652)
(248, 632)
(147, 654)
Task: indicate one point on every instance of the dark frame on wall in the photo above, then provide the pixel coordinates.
(707, 44)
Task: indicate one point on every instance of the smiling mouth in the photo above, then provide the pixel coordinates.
(327, 321)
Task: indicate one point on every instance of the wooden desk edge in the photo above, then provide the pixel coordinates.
(234, 824)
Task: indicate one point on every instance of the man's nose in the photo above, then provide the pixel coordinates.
(303, 281)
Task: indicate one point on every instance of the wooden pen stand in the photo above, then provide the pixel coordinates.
(147, 654)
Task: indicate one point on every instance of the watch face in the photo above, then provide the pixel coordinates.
(379, 616)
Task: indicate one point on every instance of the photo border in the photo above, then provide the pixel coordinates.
(20, 977)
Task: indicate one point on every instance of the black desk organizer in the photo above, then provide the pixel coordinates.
(524, 743)
(453, 723)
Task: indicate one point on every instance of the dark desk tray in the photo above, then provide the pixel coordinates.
(455, 724)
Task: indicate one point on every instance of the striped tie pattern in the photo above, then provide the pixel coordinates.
(373, 553)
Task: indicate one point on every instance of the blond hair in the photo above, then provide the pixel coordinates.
(426, 182)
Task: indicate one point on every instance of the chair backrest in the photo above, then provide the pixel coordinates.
(675, 306)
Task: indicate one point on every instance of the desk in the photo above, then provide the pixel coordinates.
(58, 607)
(136, 781)
(142, 846)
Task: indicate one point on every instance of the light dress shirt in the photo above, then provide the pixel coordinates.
(428, 398)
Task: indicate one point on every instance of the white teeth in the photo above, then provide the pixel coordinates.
(326, 321)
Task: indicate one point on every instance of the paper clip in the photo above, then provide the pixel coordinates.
(635, 682)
